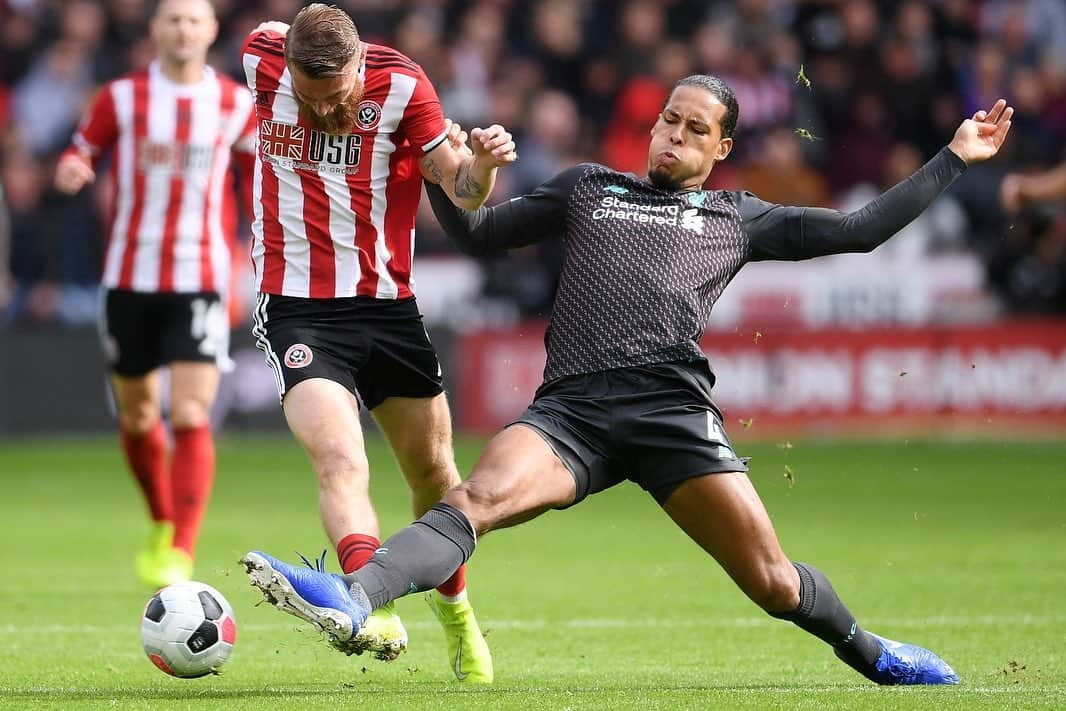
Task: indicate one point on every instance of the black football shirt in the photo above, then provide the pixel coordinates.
(644, 266)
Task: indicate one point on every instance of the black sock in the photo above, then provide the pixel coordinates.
(822, 613)
(418, 557)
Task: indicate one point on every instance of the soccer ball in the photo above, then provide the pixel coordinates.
(188, 629)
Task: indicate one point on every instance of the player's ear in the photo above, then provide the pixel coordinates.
(724, 147)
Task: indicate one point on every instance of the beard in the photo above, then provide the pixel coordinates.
(339, 120)
(663, 181)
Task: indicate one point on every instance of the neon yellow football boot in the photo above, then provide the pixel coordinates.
(175, 566)
(153, 557)
(383, 635)
(468, 653)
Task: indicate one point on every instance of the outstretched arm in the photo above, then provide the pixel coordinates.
(519, 222)
(792, 233)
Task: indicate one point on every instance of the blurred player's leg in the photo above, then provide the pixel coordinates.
(419, 431)
(144, 442)
(144, 439)
(324, 417)
(193, 387)
(724, 515)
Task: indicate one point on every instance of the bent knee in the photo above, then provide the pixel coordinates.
(481, 504)
(775, 588)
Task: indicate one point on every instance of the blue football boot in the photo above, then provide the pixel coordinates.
(901, 663)
(321, 598)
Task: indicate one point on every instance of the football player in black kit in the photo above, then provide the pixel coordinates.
(627, 391)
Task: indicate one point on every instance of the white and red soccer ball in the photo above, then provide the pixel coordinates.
(188, 629)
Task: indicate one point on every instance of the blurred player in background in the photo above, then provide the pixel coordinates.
(172, 129)
(344, 128)
(627, 391)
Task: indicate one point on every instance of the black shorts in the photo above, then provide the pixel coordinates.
(376, 348)
(141, 331)
(654, 425)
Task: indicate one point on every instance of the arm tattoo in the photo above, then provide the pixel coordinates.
(434, 170)
(465, 184)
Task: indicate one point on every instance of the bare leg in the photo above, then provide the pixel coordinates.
(419, 431)
(723, 514)
(137, 399)
(193, 387)
(517, 478)
(324, 417)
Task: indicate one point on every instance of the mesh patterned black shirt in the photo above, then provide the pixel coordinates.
(643, 266)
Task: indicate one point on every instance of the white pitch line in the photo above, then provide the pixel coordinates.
(604, 623)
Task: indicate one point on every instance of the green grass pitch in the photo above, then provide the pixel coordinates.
(957, 546)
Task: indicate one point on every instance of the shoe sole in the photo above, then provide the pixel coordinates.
(385, 649)
(278, 591)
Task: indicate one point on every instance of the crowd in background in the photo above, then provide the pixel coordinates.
(839, 99)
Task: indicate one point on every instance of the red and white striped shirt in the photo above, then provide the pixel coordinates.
(175, 210)
(335, 214)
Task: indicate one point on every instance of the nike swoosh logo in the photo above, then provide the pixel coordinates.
(459, 661)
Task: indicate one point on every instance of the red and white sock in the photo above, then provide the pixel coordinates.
(192, 474)
(146, 456)
(454, 588)
(354, 550)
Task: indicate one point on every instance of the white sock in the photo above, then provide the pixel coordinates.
(453, 599)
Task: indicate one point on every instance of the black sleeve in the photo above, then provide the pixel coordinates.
(519, 222)
(793, 233)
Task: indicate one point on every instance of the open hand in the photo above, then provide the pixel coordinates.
(978, 138)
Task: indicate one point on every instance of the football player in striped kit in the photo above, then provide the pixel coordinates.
(171, 130)
(347, 130)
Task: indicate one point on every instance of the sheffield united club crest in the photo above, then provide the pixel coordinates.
(367, 115)
(298, 356)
